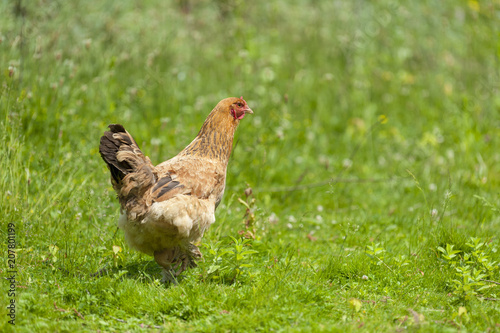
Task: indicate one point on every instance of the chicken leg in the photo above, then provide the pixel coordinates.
(176, 260)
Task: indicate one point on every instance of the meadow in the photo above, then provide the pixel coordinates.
(373, 158)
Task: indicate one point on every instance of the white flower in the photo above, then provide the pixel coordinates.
(273, 218)
(346, 163)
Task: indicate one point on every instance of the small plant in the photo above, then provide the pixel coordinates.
(116, 254)
(249, 218)
(229, 262)
(52, 257)
(448, 253)
(473, 267)
(375, 252)
(461, 315)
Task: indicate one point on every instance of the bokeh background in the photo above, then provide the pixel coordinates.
(376, 122)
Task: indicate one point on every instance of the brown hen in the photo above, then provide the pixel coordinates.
(165, 209)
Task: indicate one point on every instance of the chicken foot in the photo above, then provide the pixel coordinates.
(176, 260)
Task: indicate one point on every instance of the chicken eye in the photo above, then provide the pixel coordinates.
(239, 104)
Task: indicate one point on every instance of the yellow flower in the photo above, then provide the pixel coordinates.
(355, 304)
(474, 5)
(383, 119)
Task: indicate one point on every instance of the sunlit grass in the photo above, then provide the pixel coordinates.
(374, 144)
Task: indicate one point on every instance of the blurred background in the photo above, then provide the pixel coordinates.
(348, 96)
(365, 89)
(377, 114)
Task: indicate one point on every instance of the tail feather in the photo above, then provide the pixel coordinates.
(114, 142)
(132, 173)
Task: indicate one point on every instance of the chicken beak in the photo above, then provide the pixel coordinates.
(248, 110)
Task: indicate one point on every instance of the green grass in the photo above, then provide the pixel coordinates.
(374, 148)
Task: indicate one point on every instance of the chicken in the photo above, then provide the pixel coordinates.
(166, 209)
